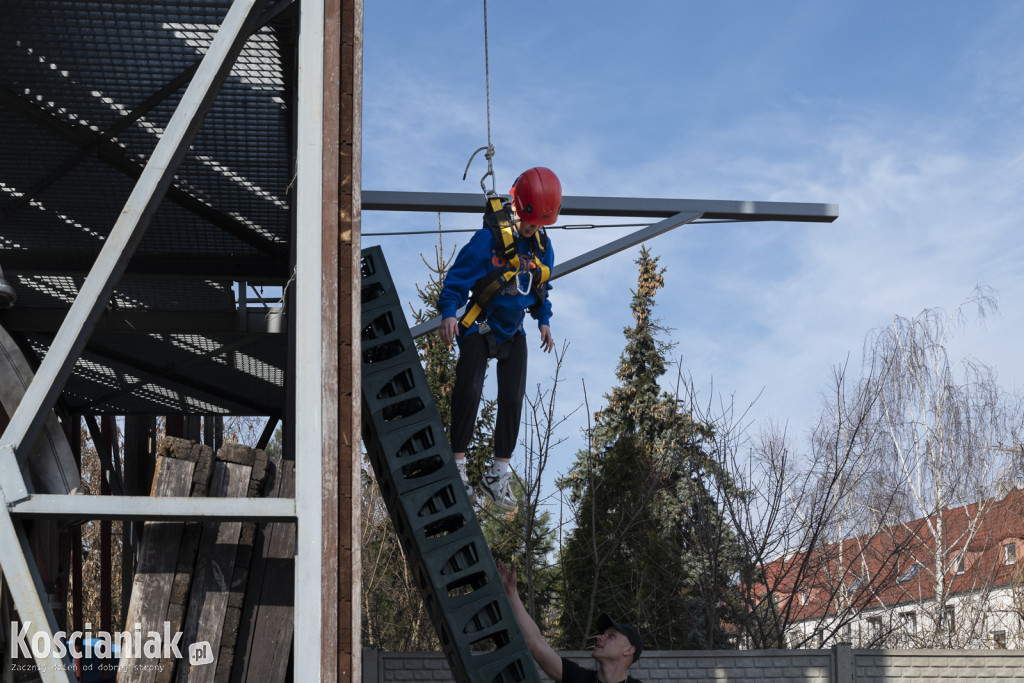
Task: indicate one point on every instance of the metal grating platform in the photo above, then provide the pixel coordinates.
(87, 87)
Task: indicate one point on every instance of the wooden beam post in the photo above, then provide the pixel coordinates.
(341, 307)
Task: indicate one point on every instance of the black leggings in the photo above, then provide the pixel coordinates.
(474, 353)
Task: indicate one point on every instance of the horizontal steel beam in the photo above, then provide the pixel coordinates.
(459, 202)
(46, 506)
(254, 268)
(245, 404)
(48, 320)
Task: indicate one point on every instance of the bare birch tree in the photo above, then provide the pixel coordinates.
(945, 431)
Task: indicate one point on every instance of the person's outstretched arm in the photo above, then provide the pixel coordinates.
(546, 657)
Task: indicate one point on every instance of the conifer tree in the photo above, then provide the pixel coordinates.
(649, 545)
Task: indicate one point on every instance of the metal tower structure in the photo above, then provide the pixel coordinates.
(159, 163)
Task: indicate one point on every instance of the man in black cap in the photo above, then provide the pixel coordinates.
(618, 645)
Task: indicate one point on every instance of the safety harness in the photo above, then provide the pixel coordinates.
(488, 287)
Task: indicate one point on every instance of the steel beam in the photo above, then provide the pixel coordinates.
(141, 508)
(242, 404)
(121, 124)
(26, 586)
(268, 433)
(455, 202)
(592, 256)
(254, 268)
(622, 243)
(103, 450)
(308, 422)
(259, 321)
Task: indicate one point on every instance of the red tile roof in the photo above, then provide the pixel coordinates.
(868, 569)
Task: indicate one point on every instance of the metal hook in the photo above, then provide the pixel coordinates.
(489, 154)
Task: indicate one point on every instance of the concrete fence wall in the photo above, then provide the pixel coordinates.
(841, 664)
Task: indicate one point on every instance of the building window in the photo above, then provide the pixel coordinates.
(960, 564)
(909, 573)
(909, 620)
(874, 631)
(999, 640)
(948, 617)
(1010, 553)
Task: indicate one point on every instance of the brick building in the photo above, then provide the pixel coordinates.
(949, 580)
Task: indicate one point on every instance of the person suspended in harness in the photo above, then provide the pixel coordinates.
(501, 274)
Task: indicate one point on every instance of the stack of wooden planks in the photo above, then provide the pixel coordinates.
(226, 587)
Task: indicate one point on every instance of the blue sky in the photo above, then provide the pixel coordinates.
(907, 115)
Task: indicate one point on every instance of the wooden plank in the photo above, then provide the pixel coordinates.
(341, 391)
(50, 459)
(154, 577)
(202, 458)
(243, 561)
(331, 283)
(211, 584)
(201, 455)
(267, 619)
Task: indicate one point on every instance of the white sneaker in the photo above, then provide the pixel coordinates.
(497, 488)
(470, 491)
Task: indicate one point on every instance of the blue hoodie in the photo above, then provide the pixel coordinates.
(508, 310)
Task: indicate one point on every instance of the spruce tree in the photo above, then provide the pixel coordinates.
(648, 538)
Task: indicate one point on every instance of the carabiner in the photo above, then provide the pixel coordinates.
(529, 282)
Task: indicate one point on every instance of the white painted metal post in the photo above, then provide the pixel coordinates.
(308, 362)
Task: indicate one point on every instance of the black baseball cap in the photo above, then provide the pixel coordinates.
(604, 622)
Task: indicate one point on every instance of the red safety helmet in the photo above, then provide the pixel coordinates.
(537, 196)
